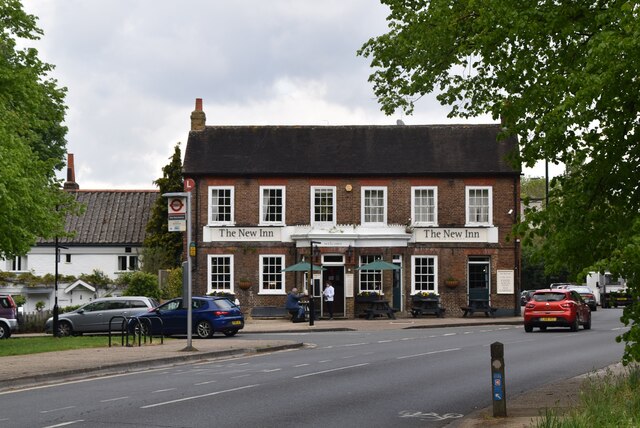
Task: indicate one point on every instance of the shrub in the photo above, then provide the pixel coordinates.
(140, 284)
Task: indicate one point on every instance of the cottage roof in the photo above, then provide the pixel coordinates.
(349, 150)
(112, 217)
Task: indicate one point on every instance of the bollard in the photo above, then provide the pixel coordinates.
(497, 380)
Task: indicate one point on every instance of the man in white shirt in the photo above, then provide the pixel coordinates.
(328, 294)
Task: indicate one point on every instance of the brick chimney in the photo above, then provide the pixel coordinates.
(70, 184)
(198, 118)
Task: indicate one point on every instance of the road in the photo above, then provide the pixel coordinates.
(418, 377)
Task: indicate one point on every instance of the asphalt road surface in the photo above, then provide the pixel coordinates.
(412, 378)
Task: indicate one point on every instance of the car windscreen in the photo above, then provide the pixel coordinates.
(548, 297)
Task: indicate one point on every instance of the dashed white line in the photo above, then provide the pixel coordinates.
(330, 370)
(63, 424)
(195, 397)
(429, 353)
(302, 365)
(205, 383)
(384, 341)
(162, 390)
(57, 410)
(113, 399)
(270, 370)
(449, 334)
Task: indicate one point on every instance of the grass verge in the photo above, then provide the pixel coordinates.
(36, 345)
(607, 401)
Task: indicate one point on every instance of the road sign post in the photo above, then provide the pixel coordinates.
(497, 380)
(179, 209)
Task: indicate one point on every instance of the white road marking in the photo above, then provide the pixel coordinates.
(449, 334)
(195, 397)
(113, 399)
(428, 353)
(162, 390)
(63, 424)
(57, 410)
(302, 365)
(330, 370)
(384, 341)
(205, 383)
(270, 370)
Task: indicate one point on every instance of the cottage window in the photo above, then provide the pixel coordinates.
(424, 276)
(127, 263)
(272, 205)
(479, 206)
(374, 205)
(221, 205)
(271, 276)
(370, 280)
(17, 264)
(323, 208)
(220, 273)
(424, 206)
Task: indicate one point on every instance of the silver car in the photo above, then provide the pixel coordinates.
(100, 315)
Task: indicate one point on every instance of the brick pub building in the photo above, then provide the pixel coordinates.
(439, 201)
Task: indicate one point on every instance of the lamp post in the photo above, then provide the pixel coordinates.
(312, 309)
(177, 210)
(56, 310)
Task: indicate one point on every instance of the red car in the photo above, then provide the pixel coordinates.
(556, 308)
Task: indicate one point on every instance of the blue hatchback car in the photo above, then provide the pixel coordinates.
(209, 315)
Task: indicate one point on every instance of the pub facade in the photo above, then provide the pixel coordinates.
(437, 201)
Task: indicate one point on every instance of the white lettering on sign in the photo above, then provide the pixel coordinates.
(225, 234)
(460, 234)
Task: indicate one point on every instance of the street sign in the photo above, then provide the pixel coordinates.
(177, 214)
(189, 184)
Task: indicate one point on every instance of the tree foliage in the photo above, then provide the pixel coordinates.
(140, 283)
(32, 138)
(163, 249)
(562, 77)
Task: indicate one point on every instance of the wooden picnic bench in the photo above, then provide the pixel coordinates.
(479, 305)
(423, 306)
(379, 307)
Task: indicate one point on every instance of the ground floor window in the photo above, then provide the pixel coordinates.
(220, 274)
(424, 276)
(271, 276)
(370, 280)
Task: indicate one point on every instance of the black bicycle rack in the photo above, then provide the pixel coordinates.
(132, 328)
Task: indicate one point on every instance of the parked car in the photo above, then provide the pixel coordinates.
(587, 295)
(98, 316)
(559, 307)
(209, 315)
(8, 316)
(525, 296)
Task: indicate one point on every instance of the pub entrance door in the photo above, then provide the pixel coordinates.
(335, 274)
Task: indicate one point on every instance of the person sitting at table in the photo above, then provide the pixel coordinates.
(293, 304)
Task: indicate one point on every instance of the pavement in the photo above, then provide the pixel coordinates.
(25, 371)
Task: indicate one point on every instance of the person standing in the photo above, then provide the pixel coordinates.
(328, 293)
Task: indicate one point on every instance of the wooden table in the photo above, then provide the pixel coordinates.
(479, 305)
(423, 306)
(379, 307)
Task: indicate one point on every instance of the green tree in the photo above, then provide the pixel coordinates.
(32, 138)
(563, 77)
(140, 283)
(163, 249)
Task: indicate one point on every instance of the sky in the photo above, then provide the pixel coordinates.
(133, 70)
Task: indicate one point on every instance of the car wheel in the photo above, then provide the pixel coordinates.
(204, 330)
(64, 328)
(528, 328)
(230, 333)
(587, 325)
(595, 308)
(5, 331)
(575, 324)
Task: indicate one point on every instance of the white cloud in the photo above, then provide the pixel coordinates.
(134, 69)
